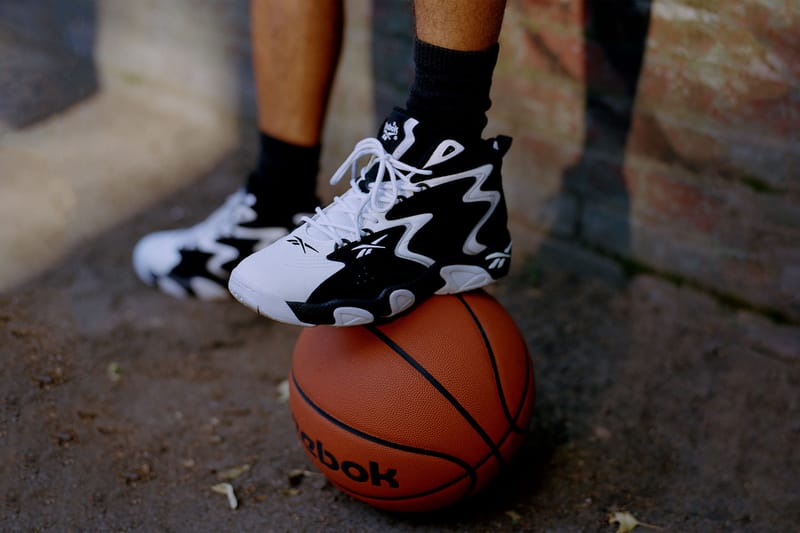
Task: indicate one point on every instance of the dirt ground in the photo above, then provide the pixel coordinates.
(121, 407)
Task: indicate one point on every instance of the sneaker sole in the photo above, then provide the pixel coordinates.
(265, 305)
(456, 278)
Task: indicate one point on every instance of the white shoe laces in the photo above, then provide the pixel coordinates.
(236, 209)
(344, 220)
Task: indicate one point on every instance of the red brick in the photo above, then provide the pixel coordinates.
(552, 13)
(713, 193)
(723, 235)
(539, 105)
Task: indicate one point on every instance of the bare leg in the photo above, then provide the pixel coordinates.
(296, 49)
(466, 25)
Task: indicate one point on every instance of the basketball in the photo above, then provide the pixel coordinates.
(417, 413)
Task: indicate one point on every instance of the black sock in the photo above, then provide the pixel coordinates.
(286, 176)
(451, 87)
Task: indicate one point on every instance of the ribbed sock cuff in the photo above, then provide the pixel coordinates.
(452, 86)
(285, 168)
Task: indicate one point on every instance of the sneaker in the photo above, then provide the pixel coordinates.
(196, 262)
(425, 215)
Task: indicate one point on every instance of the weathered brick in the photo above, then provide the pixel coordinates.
(720, 234)
(739, 148)
(564, 14)
(554, 109)
(706, 187)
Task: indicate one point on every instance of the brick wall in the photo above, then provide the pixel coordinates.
(648, 135)
(690, 169)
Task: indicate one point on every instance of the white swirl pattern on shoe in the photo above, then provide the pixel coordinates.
(237, 209)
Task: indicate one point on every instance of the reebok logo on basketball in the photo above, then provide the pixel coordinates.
(353, 470)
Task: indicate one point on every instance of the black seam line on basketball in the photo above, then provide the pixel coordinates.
(527, 389)
(500, 443)
(478, 465)
(474, 469)
(442, 390)
(512, 429)
(492, 358)
(469, 469)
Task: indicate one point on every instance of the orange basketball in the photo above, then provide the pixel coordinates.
(417, 413)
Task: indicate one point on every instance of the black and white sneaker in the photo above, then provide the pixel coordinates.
(425, 215)
(197, 261)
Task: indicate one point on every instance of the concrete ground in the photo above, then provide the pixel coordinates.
(121, 407)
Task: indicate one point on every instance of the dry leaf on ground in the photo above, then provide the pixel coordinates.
(627, 522)
(227, 490)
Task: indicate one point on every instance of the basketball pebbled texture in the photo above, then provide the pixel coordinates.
(417, 413)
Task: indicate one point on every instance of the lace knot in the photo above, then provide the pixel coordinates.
(369, 197)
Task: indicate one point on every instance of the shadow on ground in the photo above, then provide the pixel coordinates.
(121, 407)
